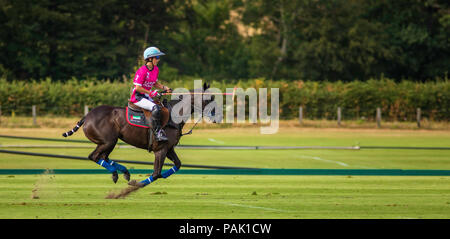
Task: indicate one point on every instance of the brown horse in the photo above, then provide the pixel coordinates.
(104, 125)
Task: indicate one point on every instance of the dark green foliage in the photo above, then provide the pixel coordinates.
(331, 40)
(319, 40)
(65, 39)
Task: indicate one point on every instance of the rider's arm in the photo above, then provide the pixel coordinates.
(162, 87)
(140, 89)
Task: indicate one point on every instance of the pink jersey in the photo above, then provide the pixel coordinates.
(146, 79)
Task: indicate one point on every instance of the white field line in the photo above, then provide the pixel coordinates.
(323, 160)
(254, 207)
(216, 141)
(330, 161)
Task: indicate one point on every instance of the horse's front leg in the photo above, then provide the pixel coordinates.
(160, 156)
(174, 158)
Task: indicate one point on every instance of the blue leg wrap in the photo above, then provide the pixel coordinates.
(169, 172)
(119, 167)
(147, 181)
(106, 165)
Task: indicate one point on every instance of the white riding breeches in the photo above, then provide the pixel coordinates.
(146, 104)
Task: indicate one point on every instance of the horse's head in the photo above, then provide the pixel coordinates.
(207, 103)
(196, 100)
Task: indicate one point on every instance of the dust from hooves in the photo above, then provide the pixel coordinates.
(133, 186)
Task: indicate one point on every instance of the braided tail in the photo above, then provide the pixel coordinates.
(79, 124)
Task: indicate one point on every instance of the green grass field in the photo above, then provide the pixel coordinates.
(238, 196)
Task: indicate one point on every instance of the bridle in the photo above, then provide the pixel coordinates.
(208, 113)
(196, 108)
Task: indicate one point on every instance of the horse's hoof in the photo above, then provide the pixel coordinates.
(115, 177)
(127, 176)
(135, 183)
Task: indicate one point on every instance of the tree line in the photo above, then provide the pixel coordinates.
(316, 40)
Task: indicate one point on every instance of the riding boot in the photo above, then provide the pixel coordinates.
(159, 132)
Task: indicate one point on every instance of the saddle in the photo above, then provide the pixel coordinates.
(140, 117)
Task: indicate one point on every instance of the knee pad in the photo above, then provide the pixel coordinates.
(156, 110)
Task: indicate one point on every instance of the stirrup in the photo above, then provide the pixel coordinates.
(160, 135)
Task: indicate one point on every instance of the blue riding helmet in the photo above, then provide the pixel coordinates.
(152, 52)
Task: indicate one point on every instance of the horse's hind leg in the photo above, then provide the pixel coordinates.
(98, 156)
(123, 169)
(118, 166)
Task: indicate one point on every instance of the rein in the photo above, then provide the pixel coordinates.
(190, 131)
(200, 118)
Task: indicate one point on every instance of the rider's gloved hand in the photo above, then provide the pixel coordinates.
(167, 89)
(154, 94)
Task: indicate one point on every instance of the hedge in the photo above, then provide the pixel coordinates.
(320, 100)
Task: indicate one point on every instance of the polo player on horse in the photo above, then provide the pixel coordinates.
(146, 78)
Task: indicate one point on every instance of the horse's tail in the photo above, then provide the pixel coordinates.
(79, 124)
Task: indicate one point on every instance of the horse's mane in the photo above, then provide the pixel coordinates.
(175, 101)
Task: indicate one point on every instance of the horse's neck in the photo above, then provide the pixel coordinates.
(181, 125)
(172, 103)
